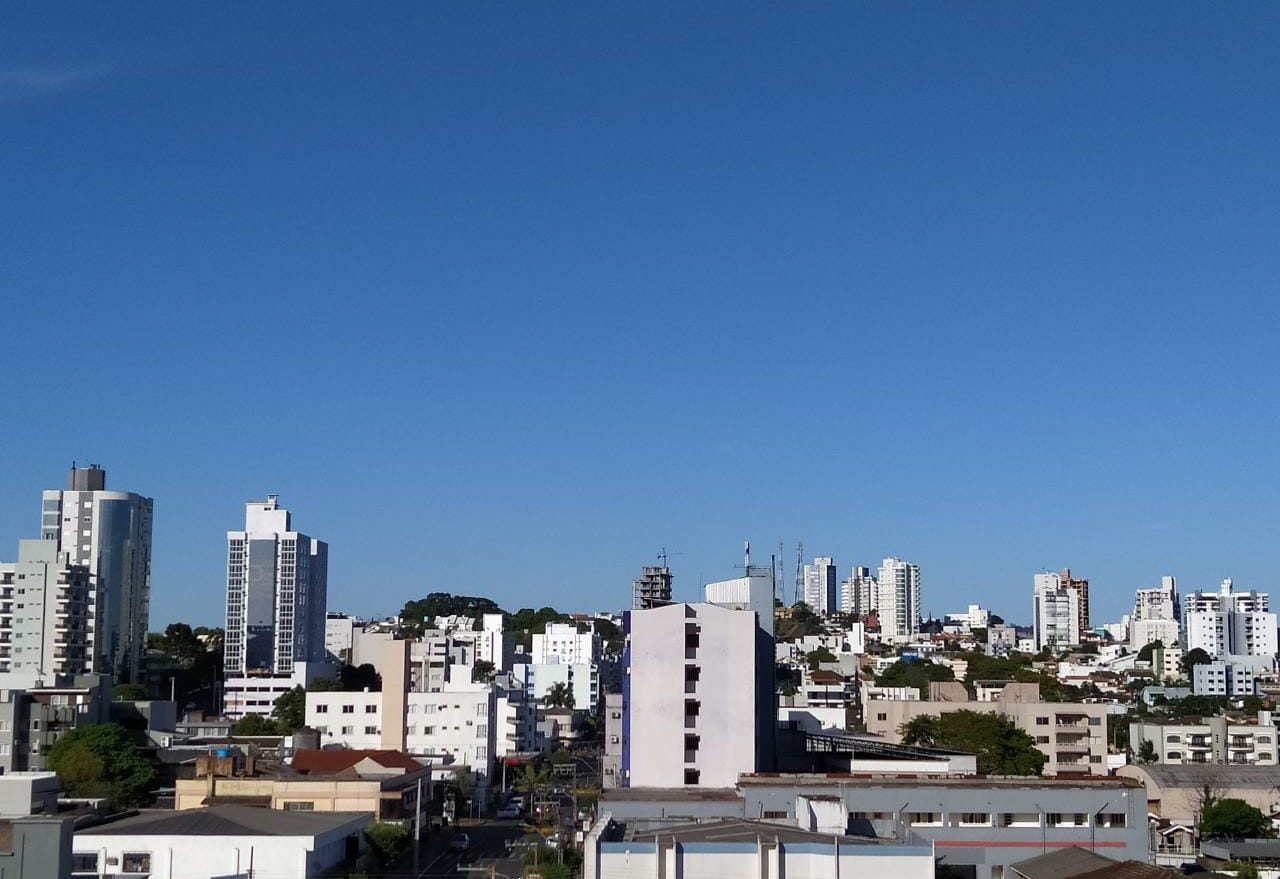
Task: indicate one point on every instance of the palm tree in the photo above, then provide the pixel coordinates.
(559, 695)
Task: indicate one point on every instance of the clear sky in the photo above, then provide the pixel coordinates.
(503, 298)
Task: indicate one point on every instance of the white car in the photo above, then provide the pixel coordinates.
(511, 810)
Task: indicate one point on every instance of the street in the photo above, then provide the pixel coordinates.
(497, 847)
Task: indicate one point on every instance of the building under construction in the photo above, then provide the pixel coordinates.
(652, 588)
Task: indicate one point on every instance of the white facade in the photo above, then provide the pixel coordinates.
(1147, 631)
(458, 723)
(563, 643)
(46, 609)
(110, 533)
(752, 592)
(899, 609)
(1214, 741)
(583, 680)
(257, 694)
(493, 643)
(107, 850)
(860, 592)
(699, 704)
(1160, 603)
(1057, 613)
(821, 592)
(339, 632)
(1223, 679)
(976, 617)
(1231, 624)
(277, 580)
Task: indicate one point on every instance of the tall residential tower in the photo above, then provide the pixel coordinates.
(899, 598)
(277, 580)
(109, 532)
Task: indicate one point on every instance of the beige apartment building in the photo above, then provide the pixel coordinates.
(383, 783)
(1072, 735)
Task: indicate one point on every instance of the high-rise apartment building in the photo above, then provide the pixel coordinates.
(277, 580)
(820, 588)
(109, 532)
(1081, 587)
(45, 613)
(1057, 613)
(1227, 623)
(699, 706)
(899, 608)
(652, 588)
(1156, 615)
(860, 592)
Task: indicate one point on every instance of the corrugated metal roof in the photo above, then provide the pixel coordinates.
(226, 821)
(1220, 776)
(1061, 864)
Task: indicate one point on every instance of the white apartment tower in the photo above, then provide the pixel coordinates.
(1156, 615)
(109, 532)
(277, 580)
(44, 616)
(1231, 624)
(899, 609)
(1057, 613)
(860, 592)
(820, 589)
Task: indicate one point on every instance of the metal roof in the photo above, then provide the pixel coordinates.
(1061, 864)
(227, 821)
(1219, 775)
(739, 830)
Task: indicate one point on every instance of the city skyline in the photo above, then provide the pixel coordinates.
(427, 273)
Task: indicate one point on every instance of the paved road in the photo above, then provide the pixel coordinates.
(491, 847)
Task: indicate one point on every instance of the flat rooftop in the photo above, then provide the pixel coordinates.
(739, 830)
(702, 794)
(914, 780)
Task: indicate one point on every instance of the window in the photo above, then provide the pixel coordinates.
(975, 819)
(348, 730)
(882, 717)
(1173, 738)
(322, 709)
(371, 709)
(428, 730)
(691, 775)
(1042, 740)
(1095, 721)
(774, 815)
(1042, 721)
(136, 862)
(1173, 755)
(371, 730)
(1112, 819)
(348, 709)
(87, 863)
(1054, 819)
(300, 806)
(923, 818)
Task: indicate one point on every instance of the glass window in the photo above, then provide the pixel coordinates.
(85, 863)
(300, 806)
(136, 862)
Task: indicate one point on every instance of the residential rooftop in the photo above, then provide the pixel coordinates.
(225, 821)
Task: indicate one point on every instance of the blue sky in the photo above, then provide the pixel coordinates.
(503, 298)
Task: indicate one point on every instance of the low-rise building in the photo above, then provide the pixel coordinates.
(383, 783)
(737, 847)
(257, 693)
(1177, 793)
(28, 793)
(221, 841)
(1216, 740)
(1224, 678)
(1073, 736)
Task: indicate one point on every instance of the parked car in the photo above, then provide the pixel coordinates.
(510, 810)
(460, 842)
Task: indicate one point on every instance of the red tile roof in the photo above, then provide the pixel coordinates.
(310, 760)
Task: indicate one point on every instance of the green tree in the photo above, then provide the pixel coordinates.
(801, 622)
(819, 656)
(1145, 654)
(102, 760)
(255, 725)
(786, 679)
(1001, 748)
(129, 693)
(559, 695)
(1242, 869)
(1231, 818)
(388, 841)
(530, 779)
(1146, 752)
(482, 671)
(918, 674)
(290, 710)
(324, 685)
(1192, 658)
(355, 679)
(462, 787)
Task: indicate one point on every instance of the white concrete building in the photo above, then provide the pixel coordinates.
(820, 589)
(1148, 631)
(1057, 613)
(339, 633)
(698, 686)
(277, 580)
(723, 848)
(860, 592)
(1237, 626)
(46, 611)
(109, 532)
(976, 617)
(899, 609)
(493, 643)
(1158, 603)
(753, 592)
(563, 643)
(1220, 678)
(257, 694)
(222, 841)
(1215, 740)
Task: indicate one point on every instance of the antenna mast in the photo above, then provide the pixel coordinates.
(799, 572)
